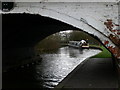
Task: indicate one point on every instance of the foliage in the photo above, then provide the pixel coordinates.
(59, 39)
(49, 43)
(79, 35)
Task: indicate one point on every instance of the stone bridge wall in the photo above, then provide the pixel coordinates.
(97, 18)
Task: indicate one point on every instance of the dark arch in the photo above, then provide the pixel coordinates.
(27, 29)
(22, 31)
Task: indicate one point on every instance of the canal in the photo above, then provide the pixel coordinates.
(51, 70)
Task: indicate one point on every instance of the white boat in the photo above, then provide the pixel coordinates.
(79, 44)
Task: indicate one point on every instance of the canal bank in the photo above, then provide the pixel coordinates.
(93, 73)
(24, 63)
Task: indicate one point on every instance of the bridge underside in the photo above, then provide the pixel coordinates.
(21, 32)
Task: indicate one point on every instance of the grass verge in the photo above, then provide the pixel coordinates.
(104, 54)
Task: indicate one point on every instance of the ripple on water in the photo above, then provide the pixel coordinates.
(56, 66)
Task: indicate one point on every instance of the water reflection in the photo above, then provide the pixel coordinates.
(74, 53)
(55, 67)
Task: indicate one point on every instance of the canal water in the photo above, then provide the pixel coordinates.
(51, 70)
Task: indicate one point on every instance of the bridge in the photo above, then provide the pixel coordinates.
(26, 23)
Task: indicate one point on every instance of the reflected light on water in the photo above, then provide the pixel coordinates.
(56, 66)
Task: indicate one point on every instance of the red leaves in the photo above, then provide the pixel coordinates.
(106, 42)
(112, 49)
(113, 37)
(109, 24)
(115, 51)
(114, 30)
(118, 32)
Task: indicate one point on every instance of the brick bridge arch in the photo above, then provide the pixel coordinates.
(98, 19)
